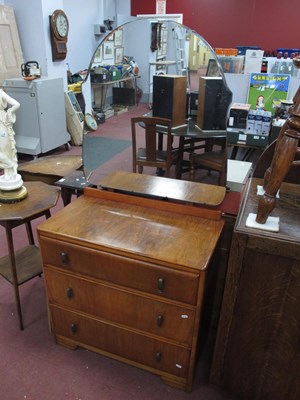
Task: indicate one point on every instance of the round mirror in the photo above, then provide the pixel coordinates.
(121, 70)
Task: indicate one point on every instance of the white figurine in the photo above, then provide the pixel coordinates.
(10, 180)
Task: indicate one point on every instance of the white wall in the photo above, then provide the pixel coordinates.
(33, 24)
(30, 23)
(82, 41)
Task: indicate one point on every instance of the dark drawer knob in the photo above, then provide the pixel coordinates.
(161, 284)
(160, 320)
(70, 293)
(73, 328)
(64, 259)
(158, 356)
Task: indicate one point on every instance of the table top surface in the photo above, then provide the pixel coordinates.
(190, 129)
(41, 197)
(142, 228)
(287, 208)
(165, 62)
(58, 166)
(107, 83)
(165, 188)
(74, 180)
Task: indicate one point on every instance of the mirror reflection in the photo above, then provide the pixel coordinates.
(130, 55)
(122, 69)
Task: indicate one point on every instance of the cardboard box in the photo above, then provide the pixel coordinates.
(258, 121)
(237, 136)
(238, 115)
(237, 174)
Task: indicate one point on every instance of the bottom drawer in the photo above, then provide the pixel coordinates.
(123, 343)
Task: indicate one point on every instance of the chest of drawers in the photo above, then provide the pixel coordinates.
(125, 278)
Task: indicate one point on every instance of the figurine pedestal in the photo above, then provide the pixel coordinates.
(13, 196)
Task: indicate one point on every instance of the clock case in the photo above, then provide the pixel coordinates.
(58, 43)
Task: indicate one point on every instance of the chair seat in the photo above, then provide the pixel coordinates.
(152, 153)
(210, 158)
(212, 161)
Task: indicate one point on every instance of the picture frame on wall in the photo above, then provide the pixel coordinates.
(98, 55)
(119, 54)
(108, 50)
(164, 35)
(118, 38)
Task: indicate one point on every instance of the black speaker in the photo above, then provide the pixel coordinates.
(124, 96)
(214, 100)
(169, 98)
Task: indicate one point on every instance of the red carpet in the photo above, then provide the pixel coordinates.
(33, 367)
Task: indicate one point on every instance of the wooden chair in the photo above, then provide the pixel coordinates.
(152, 154)
(211, 160)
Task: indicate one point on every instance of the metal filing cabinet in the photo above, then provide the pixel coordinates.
(41, 119)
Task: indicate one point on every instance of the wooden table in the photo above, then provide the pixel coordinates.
(49, 169)
(188, 135)
(24, 264)
(73, 183)
(103, 86)
(164, 188)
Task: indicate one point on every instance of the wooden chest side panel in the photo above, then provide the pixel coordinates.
(265, 329)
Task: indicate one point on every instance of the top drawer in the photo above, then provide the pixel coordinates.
(159, 280)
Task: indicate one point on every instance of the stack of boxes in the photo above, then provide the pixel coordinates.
(259, 122)
(246, 126)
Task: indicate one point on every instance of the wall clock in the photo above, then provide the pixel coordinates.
(59, 29)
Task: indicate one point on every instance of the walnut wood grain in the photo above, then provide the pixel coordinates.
(125, 278)
(164, 189)
(50, 168)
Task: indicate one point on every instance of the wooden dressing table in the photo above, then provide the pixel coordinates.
(125, 278)
(164, 189)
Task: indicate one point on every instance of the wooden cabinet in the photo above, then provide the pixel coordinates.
(125, 278)
(257, 348)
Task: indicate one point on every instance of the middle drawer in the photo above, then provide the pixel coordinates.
(140, 312)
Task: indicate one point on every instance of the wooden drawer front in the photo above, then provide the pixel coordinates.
(151, 278)
(121, 306)
(121, 342)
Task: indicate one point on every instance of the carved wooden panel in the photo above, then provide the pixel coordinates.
(11, 56)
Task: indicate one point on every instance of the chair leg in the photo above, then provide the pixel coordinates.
(140, 169)
(192, 171)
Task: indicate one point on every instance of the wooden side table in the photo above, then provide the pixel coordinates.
(73, 183)
(50, 168)
(22, 265)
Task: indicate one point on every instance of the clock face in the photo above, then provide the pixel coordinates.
(62, 25)
(59, 29)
